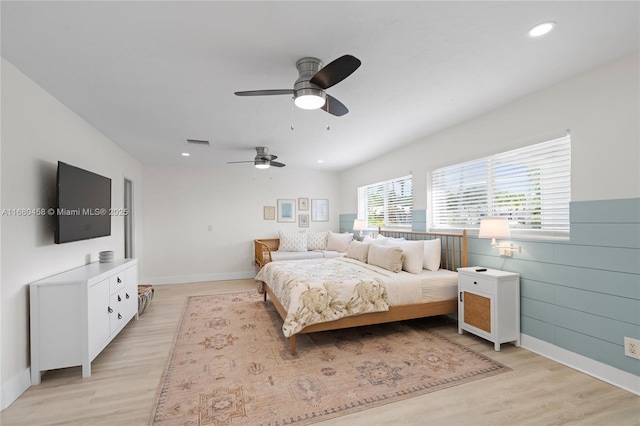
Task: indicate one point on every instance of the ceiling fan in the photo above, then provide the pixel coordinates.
(262, 160)
(313, 79)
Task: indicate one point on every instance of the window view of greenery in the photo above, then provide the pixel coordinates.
(387, 204)
(531, 186)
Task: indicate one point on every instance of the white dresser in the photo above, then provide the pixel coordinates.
(75, 314)
(489, 304)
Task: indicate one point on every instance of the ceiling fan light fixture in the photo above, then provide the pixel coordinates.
(310, 98)
(261, 164)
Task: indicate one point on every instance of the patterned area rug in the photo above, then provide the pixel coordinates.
(230, 365)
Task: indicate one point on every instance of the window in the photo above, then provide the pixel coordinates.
(531, 186)
(387, 204)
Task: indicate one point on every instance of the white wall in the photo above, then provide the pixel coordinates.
(37, 132)
(181, 203)
(600, 107)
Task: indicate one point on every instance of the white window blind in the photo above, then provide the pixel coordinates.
(386, 204)
(531, 186)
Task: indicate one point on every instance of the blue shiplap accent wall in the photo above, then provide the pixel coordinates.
(418, 221)
(346, 222)
(582, 295)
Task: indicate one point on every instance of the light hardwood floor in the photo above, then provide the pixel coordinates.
(126, 375)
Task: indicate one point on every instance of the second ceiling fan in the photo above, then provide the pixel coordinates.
(313, 79)
(262, 160)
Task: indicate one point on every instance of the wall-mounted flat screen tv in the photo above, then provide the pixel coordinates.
(83, 204)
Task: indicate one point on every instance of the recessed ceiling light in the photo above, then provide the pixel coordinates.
(185, 154)
(320, 161)
(541, 29)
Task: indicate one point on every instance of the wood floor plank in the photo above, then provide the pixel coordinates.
(126, 376)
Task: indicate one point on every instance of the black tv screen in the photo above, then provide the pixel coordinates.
(83, 204)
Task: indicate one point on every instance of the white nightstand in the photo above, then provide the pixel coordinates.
(489, 304)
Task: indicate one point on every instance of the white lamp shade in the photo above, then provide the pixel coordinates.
(494, 227)
(359, 225)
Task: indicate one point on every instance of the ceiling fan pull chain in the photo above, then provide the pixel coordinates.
(328, 117)
(292, 103)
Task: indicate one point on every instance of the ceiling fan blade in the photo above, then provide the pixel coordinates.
(335, 107)
(265, 92)
(335, 71)
(276, 164)
(268, 157)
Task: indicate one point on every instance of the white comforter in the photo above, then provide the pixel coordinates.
(321, 290)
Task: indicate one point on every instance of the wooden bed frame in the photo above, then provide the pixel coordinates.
(454, 256)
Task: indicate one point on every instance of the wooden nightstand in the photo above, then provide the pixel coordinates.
(489, 304)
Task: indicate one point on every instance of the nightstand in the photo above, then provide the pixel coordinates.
(489, 304)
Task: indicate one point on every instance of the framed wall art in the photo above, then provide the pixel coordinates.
(320, 210)
(286, 210)
(303, 220)
(303, 204)
(269, 212)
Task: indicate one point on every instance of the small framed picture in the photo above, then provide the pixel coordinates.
(303, 220)
(286, 210)
(303, 204)
(320, 210)
(269, 212)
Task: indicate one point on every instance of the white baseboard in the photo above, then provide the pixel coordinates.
(606, 373)
(183, 279)
(14, 387)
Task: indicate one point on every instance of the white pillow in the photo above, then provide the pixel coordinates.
(413, 254)
(389, 258)
(370, 240)
(358, 251)
(395, 239)
(339, 242)
(293, 241)
(432, 254)
(317, 240)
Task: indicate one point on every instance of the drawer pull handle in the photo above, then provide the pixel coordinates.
(119, 298)
(119, 316)
(475, 282)
(126, 295)
(109, 309)
(119, 280)
(461, 296)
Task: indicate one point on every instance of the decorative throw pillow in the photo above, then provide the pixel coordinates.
(293, 241)
(339, 242)
(317, 240)
(432, 254)
(389, 258)
(413, 254)
(358, 251)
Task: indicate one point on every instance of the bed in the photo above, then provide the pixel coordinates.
(329, 294)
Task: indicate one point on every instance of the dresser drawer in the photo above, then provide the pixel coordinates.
(482, 284)
(117, 311)
(116, 282)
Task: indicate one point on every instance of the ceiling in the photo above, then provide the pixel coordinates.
(151, 74)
